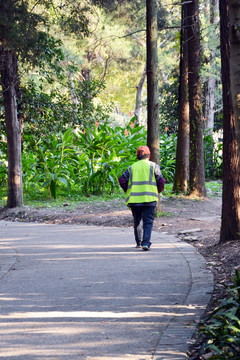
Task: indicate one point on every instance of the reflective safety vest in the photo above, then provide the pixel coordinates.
(142, 186)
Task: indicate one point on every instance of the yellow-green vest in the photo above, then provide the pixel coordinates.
(142, 186)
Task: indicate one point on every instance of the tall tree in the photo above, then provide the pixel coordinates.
(9, 27)
(20, 37)
(230, 224)
(210, 83)
(234, 19)
(196, 160)
(182, 152)
(152, 81)
(9, 80)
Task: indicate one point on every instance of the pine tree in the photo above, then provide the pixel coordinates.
(234, 27)
(196, 158)
(182, 152)
(230, 224)
(20, 38)
(152, 81)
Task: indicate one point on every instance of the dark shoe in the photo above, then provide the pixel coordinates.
(145, 248)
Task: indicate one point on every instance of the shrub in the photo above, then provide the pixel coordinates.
(51, 164)
(221, 329)
(168, 145)
(213, 156)
(104, 153)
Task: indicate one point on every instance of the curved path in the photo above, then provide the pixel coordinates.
(71, 292)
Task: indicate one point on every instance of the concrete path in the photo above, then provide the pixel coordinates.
(71, 292)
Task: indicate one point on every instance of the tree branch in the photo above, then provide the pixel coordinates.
(137, 31)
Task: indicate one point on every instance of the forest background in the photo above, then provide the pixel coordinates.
(83, 104)
(80, 83)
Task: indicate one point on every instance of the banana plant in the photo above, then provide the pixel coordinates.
(103, 154)
(57, 158)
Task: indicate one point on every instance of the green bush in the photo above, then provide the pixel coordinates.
(51, 164)
(3, 168)
(213, 159)
(87, 161)
(168, 145)
(104, 153)
(221, 329)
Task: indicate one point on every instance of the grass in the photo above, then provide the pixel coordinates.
(71, 202)
(214, 188)
(41, 199)
(163, 214)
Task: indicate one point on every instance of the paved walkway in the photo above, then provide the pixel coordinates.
(71, 292)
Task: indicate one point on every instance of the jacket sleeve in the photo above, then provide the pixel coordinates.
(123, 180)
(160, 184)
(159, 179)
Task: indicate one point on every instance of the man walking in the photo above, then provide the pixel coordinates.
(142, 182)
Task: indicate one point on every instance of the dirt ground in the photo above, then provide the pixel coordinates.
(195, 221)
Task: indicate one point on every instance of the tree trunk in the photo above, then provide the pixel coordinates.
(230, 224)
(234, 23)
(196, 162)
(9, 82)
(210, 84)
(152, 81)
(182, 152)
(137, 111)
(209, 111)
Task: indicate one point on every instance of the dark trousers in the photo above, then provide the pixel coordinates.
(143, 217)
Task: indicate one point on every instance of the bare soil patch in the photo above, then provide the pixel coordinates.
(195, 221)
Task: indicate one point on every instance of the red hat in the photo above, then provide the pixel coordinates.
(143, 150)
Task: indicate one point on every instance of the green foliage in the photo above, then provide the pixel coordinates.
(3, 161)
(213, 158)
(18, 25)
(71, 18)
(3, 169)
(55, 111)
(84, 111)
(21, 22)
(20, 31)
(214, 188)
(163, 214)
(168, 145)
(53, 164)
(168, 190)
(221, 329)
(104, 153)
(108, 47)
(88, 161)
(43, 112)
(168, 105)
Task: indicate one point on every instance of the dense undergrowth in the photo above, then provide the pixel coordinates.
(88, 161)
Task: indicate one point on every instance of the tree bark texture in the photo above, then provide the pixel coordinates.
(8, 65)
(138, 105)
(209, 86)
(152, 81)
(234, 26)
(196, 160)
(230, 223)
(209, 111)
(182, 152)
